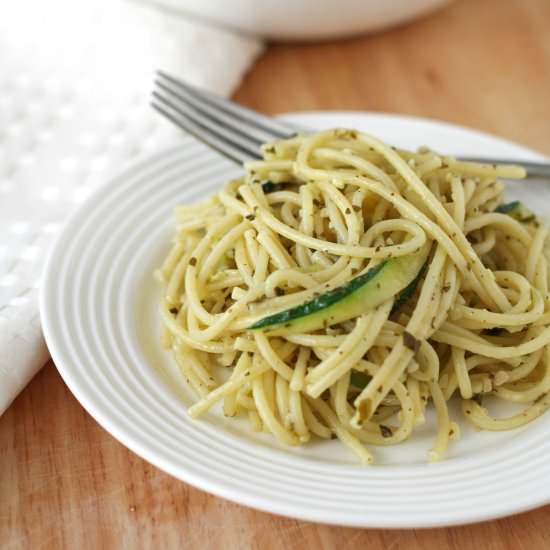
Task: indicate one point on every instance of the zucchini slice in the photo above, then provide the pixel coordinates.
(516, 210)
(359, 379)
(404, 296)
(362, 293)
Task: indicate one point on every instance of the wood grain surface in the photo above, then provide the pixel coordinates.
(66, 483)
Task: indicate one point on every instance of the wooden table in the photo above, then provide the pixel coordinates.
(64, 482)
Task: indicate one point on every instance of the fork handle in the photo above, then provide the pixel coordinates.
(534, 169)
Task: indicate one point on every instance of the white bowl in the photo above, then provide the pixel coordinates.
(305, 19)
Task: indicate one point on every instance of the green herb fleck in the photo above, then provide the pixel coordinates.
(385, 431)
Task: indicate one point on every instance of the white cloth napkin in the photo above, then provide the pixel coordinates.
(75, 81)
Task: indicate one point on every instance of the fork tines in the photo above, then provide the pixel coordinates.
(234, 131)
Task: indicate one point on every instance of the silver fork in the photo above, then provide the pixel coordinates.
(237, 132)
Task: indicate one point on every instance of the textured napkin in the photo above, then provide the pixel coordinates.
(74, 109)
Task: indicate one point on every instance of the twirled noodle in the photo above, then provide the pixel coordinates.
(318, 212)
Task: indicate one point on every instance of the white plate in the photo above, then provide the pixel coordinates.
(99, 313)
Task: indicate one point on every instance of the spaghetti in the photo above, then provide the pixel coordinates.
(322, 217)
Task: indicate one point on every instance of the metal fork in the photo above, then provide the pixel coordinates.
(237, 132)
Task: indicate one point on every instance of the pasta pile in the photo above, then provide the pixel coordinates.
(318, 211)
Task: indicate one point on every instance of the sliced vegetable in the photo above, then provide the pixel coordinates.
(404, 296)
(516, 210)
(270, 187)
(352, 299)
(359, 380)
